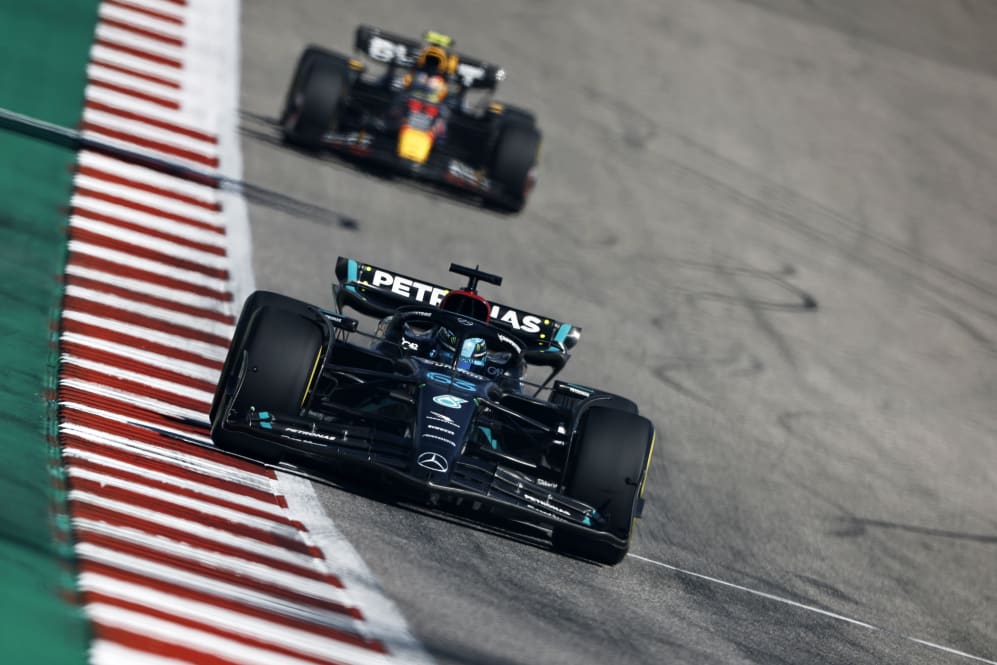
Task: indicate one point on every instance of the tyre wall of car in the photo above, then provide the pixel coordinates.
(514, 161)
(314, 99)
(609, 461)
(273, 363)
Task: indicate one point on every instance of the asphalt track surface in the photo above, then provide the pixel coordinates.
(776, 221)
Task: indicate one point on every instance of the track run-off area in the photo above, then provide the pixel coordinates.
(771, 218)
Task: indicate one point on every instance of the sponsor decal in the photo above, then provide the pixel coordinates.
(546, 505)
(464, 322)
(448, 381)
(439, 438)
(469, 73)
(441, 429)
(409, 288)
(310, 434)
(433, 462)
(450, 401)
(411, 346)
(493, 371)
(441, 418)
(530, 323)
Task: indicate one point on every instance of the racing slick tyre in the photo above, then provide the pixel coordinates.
(611, 455)
(269, 368)
(320, 82)
(514, 162)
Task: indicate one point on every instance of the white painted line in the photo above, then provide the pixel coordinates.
(149, 403)
(127, 260)
(805, 607)
(71, 453)
(140, 20)
(198, 323)
(150, 132)
(183, 367)
(258, 481)
(189, 638)
(156, 244)
(245, 567)
(150, 220)
(150, 289)
(98, 72)
(202, 349)
(131, 40)
(203, 584)
(138, 377)
(306, 643)
(384, 620)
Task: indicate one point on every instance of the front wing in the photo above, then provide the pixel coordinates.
(490, 483)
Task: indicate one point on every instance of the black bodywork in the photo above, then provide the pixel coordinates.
(372, 107)
(392, 402)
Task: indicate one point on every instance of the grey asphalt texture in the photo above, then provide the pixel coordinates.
(776, 221)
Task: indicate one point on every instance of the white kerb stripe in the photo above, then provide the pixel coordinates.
(151, 220)
(98, 72)
(135, 63)
(156, 267)
(193, 370)
(271, 525)
(163, 7)
(269, 602)
(157, 202)
(152, 382)
(147, 241)
(243, 567)
(158, 406)
(150, 132)
(179, 342)
(72, 453)
(190, 638)
(185, 116)
(130, 39)
(180, 434)
(149, 176)
(257, 480)
(293, 639)
(140, 20)
(105, 652)
(154, 290)
(198, 323)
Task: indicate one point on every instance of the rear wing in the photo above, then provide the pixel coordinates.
(401, 51)
(378, 292)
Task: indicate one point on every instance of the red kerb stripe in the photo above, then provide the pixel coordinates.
(151, 144)
(144, 32)
(83, 213)
(169, 83)
(104, 265)
(139, 53)
(168, 18)
(148, 209)
(106, 176)
(117, 290)
(155, 122)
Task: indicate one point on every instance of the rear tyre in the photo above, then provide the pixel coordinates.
(315, 97)
(269, 369)
(514, 162)
(610, 458)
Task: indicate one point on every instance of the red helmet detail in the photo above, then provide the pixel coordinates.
(467, 303)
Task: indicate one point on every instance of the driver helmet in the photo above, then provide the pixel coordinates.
(472, 353)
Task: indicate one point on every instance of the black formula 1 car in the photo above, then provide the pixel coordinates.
(419, 108)
(438, 398)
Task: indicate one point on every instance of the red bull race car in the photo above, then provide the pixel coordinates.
(438, 399)
(418, 107)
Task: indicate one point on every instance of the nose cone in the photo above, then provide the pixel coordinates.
(414, 144)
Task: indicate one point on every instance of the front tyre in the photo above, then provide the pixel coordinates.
(514, 163)
(315, 98)
(609, 463)
(270, 369)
